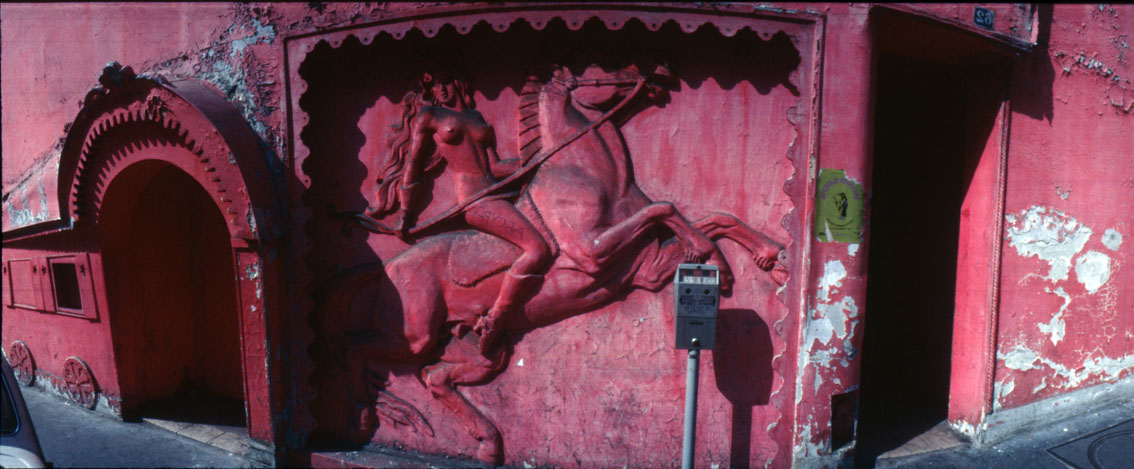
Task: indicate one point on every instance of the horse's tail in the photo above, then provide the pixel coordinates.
(333, 298)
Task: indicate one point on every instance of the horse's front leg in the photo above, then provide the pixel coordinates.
(768, 254)
(605, 247)
(721, 225)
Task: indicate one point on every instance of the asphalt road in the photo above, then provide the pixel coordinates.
(72, 436)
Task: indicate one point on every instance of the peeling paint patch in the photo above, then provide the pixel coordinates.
(806, 449)
(1057, 328)
(833, 274)
(264, 33)
(829, 321)
(1050, 235)
(1092, 270)
(27, 215)
(1063, 194)
(1112, 239)
(252, 270)
(852, 249)
(1003, 390)
(1024, 359)
(964, 428)
(251, 219)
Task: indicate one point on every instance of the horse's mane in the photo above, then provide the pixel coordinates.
(529, 138)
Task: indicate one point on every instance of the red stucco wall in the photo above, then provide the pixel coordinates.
(1065, 305)
(1066, 311)
(52, 57)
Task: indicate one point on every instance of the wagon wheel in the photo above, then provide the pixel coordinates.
(21, 360)
(81, 386)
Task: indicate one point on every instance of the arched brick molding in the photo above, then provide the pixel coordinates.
(130, 120)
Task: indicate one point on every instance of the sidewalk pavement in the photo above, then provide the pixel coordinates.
(75, 437)
(72, 436)
(1102, 439)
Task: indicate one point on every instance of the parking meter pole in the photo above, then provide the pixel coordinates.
(696, 296)
(689, 441)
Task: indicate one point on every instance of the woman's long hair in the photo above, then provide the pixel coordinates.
(389, 199)
(391, 175)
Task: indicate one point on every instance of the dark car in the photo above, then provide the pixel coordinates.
(19, 445)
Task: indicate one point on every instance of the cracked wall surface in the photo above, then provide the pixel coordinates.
(1066, 319)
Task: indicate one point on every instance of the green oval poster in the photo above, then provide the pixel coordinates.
(839, 207)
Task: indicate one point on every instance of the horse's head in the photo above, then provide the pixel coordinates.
(600, 85)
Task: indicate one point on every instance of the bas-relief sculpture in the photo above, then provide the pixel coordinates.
(557, 231)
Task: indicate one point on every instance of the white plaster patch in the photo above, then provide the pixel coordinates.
(1057, 328)
(520, 363)
(799, 383)
(805, 449)
(829, 322)
(852, 249)
(27, 216)
(822, 356)
(825, 323)
(833, 274)
(964, 428)
(1024, 359)
(818, 330)
(1092, 270)
(1003, 390)
(1112, 239)
(1063, 194)
(1050, 235)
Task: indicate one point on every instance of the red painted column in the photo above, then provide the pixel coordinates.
(830, 336)
(254, 345)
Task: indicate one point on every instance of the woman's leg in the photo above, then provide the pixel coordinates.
(501, 219)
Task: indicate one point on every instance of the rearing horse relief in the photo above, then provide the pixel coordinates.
(558, 231)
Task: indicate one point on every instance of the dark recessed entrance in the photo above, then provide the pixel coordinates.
(170, 283)
(937, 97)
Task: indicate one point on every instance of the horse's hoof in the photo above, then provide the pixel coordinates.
(491, 452)
(780, 274)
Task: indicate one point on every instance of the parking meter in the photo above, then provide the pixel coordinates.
(696, 291)
(696, 297)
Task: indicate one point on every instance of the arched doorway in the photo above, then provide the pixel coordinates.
(172, 293)
(178, 191)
